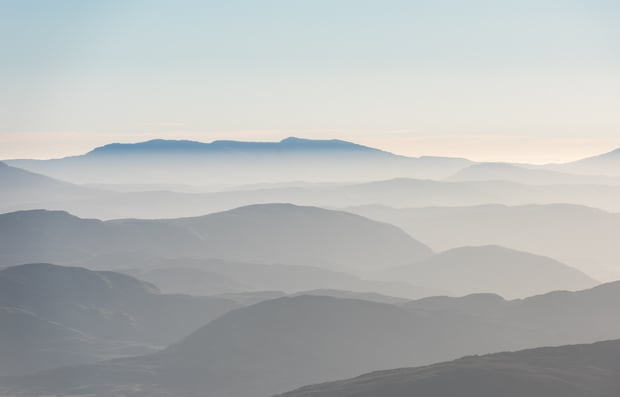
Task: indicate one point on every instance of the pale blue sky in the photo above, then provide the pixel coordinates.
(530, 80)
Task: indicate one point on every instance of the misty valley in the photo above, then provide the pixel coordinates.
(307, 268)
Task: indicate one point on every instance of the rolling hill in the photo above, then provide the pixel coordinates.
(507, 272)
(582, 237)
(273, 233)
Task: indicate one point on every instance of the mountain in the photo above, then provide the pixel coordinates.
(277, 345)
(266, 348)
(395, 192)
(272, 233)
(602, 164)
(526, 175)
(71, 315)
(566, 371)
(211, 276)
(232, 162)
(366, 296)
(492, 268)
(20, 187)
(289, 234)
(291, 144)
(579, 236)
(29, 343)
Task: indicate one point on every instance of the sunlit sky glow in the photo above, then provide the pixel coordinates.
(531, 81)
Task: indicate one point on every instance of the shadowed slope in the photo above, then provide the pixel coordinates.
(566, 371)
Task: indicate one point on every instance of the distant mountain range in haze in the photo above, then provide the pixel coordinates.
(25, 190)
(291, 144)
(246, 269)
(188, 162)
(213, 276)
(246, 249)
(579, 236)
(233, 162)
(492, 268)
(270, 234)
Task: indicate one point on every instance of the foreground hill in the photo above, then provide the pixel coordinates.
(284, 343)
(54, 315)
(273, 233)
(507, 272)
(566, 371)
(233, 162)
(582, 237)
(29, 342)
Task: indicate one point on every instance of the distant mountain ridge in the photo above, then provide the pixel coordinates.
(292, 144)
(19, 186)
(492, 268)
(162, 161)
(528, 175)
(539, 229)
(266, 233)
(604, 164)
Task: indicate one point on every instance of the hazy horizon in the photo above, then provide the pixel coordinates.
(515, 149)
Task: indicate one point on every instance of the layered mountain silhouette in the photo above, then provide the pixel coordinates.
(492, 268)
(233, 162)
(579, 236)
(274, 233)
(527, 175)
(565, 371)
(211, 276)
(398, 192)
(603, 164)
(21, 187)
(59, 315)
(280, 344)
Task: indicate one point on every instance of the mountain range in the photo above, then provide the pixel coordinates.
(284, 343)
(579, 236)
(277, 247)
(233, 162)
(212, 276)
(269, 234)
(529, 175)
(23, 190)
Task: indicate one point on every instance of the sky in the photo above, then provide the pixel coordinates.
(531, 81)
